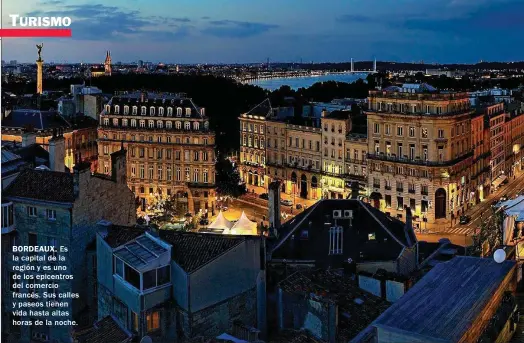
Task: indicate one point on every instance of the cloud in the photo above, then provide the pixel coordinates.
(236, 29)
(51, 2)
(101, 22)
(206, 18)
(355, 18)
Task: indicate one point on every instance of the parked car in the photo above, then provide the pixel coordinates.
(264, 196)
(298, 206)
(204, 221)
(286, 202)
(464, 219)
(504, 198)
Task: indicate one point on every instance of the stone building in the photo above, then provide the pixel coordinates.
(419, 144)
(253, 144)
(57, 208)
(184, 285)
(79, 133)
(170, 148)
(513, 138)
(480, 167)
(356, 145)
(276, 152)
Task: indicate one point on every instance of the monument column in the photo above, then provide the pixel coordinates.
(39, 69)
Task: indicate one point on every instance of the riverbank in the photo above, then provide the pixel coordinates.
(296, 82)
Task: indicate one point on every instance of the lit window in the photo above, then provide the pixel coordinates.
(153, 321)
(50, 214)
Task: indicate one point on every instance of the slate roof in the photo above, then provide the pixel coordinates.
(264, 109)
(338, 114)
(444, 303)
(106, 330)
(365, 216)
(39, 120)
(192, 251)
(357, 308)
(118, 235)
(42, 185)
(294, 336)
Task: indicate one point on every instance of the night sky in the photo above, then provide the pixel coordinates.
(230, 31)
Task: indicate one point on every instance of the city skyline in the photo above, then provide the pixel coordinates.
(443, 31)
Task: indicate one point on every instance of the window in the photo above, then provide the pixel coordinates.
(135, 320)
(159, 124)
(188, 112)
(151, 171)
(143, 110)
(371, 236)
(52, 242)
(205, 176)
(135, 110)
(120, 310)
(412, 151)
(50, 214)
(153, 321)
(195, 175)
(179, 111)
(376, 128)
(31, 211)
(424, 190)
(399, 150)
(106, 121)
(440, 133)
(424, 132)
(32, 239)
(160, 111)
(169, 174)
(411, 131)
(187, 125)
(335, 240)
(388, 200)
(126, 109)
(388, 129)
(132, 276)
(425, 152)
(170, 111)
(7, 215)
(400, 131)
(400, 203)
(195, 126)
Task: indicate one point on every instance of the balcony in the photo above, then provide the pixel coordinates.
(411, 191)
(388, 188)
(400, 190)
(382, 157)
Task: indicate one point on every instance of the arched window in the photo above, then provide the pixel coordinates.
(152, 111)
(117, 109)
(188, 112)
(195, 126)
(106, 121)
(178, 125)
(124, 122)
(179, 111)
(133, 122)
(340, 128)
(108, 109)
(151, 124)
(143, 110)
(135, 110)
(187, 125)
(170, 111)
(206, 125)
(126, 110)
(159, 124)
(142, 123)
(262, 143)
(169, 125)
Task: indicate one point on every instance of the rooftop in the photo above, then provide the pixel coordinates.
(142, 251)
(356, 307)
(106, 330)
(118, 235)
(39, 120)
(294, 336)
(42, 185)
(444, 303)
(191, 251)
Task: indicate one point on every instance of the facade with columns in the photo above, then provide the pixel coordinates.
(419, 154)
(170, 148)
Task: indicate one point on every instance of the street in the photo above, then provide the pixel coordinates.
(511, 189)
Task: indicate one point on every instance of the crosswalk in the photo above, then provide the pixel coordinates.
(460, 230)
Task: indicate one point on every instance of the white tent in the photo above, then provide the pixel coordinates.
(243, 226)
(220, 223)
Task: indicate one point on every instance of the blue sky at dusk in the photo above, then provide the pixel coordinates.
(208, 31)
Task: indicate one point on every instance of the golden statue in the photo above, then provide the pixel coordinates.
(39, 47)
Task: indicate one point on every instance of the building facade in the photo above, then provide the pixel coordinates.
(419, 154)
(480, 167)
(169, 145)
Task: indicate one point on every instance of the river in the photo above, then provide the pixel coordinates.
(307, 81)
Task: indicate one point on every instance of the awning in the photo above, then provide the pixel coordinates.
(499, 180)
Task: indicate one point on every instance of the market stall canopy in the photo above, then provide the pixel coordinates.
(220, 223)
(499, 180)
(243, 226)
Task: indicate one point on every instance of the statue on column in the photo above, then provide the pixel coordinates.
(39, 47)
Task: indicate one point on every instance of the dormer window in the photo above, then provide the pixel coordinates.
(152, 111)
(179, 111)
(336, 240)
(170, 111)
(188, 112)
(126, 110)
(117, 109)
(144, 110)
(135, 110)
(108, 109)
(160, 111)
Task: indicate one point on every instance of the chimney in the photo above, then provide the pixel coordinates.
(103, 227)
(408, 227)
(274, 204)
(57, 152)
(28, 138)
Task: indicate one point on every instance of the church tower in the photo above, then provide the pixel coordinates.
(107, 64)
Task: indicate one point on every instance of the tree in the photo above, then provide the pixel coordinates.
(228, 180)
(490, 231)
(166, 207)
